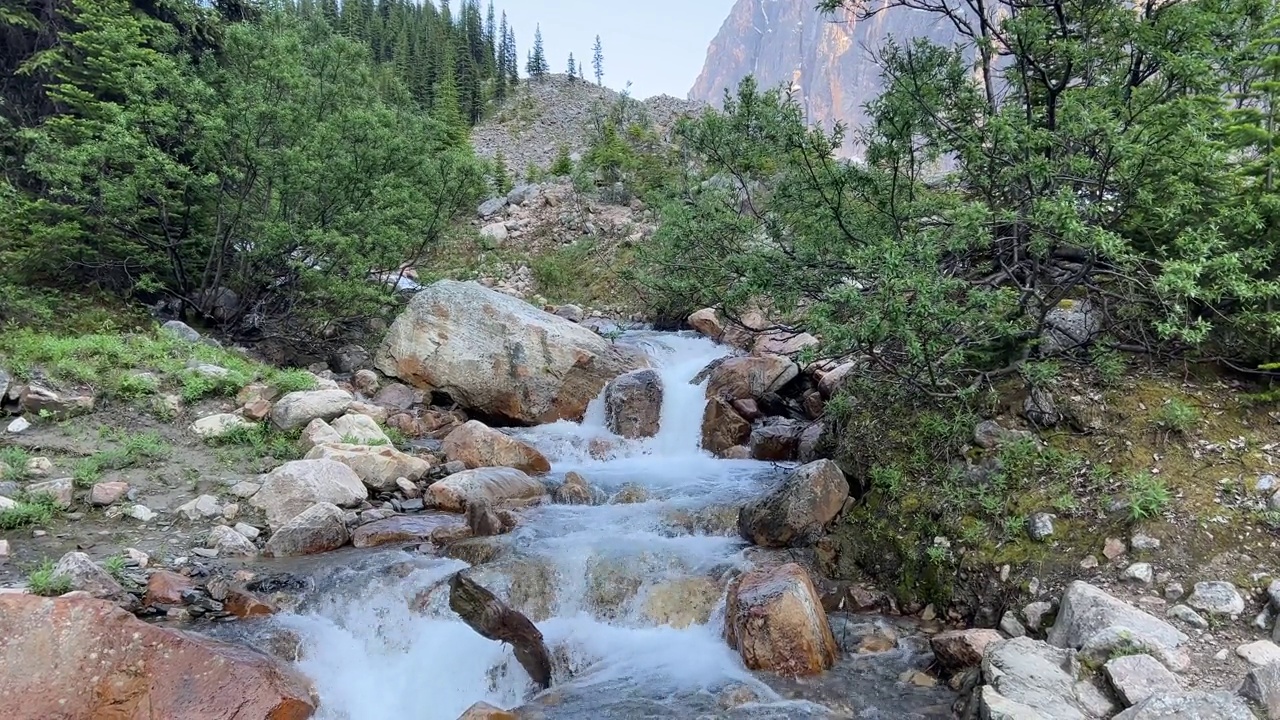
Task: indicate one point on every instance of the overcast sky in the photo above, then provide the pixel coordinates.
(658, 45)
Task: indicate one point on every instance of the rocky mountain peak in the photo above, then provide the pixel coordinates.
(828, 60)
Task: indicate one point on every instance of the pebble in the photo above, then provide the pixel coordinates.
(1089, 563)
(1040, 526)
(1010, 626)
(1217, 598)
(246, 530)
(138, 557)
(1221, 655)
(1188, 616)
(1034, 614)
(1264, 619)
(19, 425)
(141, 512)
(412, 505)
(38, 533)
(1113, 548)
(1140, 572)
(1266, 483)
(1144, 542)
(1173, 591)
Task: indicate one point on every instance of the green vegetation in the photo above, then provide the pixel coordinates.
(13, 462)
(263, 441)
(43, 581)
(1176, 416)
(1148, 496)
(135, 450)
(30, 510)
(563, 165)
(115, 566)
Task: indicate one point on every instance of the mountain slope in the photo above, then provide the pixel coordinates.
(828, 60)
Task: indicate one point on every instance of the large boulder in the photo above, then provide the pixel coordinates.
(783, 342)
(962, 649)
(43, 402)
(707, 322)
(360, 430)
(1031, 680)
(415, 529)
(220, 425)
(499, 356)
(84, 658)
(753, 376)
(633, 404)
(496, 485)
(774, 618)
(722, 427)
(794, 513)
(1090, 618)
(297, 409)
(296, 486)
(319, 528)
(379, 466)
(82, 573)
(1196, 705)
(778, 440)
(478, 446)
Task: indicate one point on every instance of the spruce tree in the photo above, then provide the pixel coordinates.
(597, 61)
(513, 65)
(573, 68)
(500, 87)
(537, 66)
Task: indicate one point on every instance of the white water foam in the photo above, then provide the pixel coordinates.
(372, 658)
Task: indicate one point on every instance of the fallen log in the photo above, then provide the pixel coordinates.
(493, 619)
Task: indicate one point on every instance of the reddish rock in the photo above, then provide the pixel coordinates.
(774, 618)
(407, 424)
(107, 493)
(722, 428)
(82, 658)
(478, 446)
(497, 485)
(754, 376)
(256, 409)
(961, 649)
(748, 409)
(707, 322)
(485, 711)
(244, 604)
(794, 513)
(166, 588)
(403, 529)
(398, 396)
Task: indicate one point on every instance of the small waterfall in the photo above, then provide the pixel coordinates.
(628, 596)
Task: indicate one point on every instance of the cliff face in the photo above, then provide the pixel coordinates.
(827, 59)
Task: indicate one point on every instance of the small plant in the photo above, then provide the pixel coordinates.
(1176, 416)
(888, 479)
(86, 472)
(30, 510)
(131, 386)
(42, 581)
(15, 459)
(1041, 374)
(973, 532)
(115, 566)
(287, 381)
(1148, 496)
(563, 164)
(937, 554)
(1110, 365)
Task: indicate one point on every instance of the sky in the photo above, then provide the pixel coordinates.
(658, 45)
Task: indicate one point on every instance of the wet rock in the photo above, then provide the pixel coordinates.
(990, 434)
(359, 430)
(722, 428)
(167, 588)
(1087, 612)
(1259, 653)
(775, 620)
(61, 491)
(243, 604)
(1040, 526)
(378, 466)
(1216, 598)
(794, 513)
(1262, 686)
(633, 404)
(810, 442)
(1030, 680)
(748, 409)
(629, 494)
(485, 711)
(495, 620)
(107, 493)
(230, 543)
(40, 401)
(537, 367)
(405, 529)
(84, 574)
(1138, 677)
(776, 441)
(478, 446)
(681, 603)
(349, 358)
(575, 490)
(961, 649)
(754, 376)
(205, 506)
(320, 528)
(707, 322)
(1191, 705)
(295, 486)
(217, 426)
(297, 409)
(109, 664)
(497, 485)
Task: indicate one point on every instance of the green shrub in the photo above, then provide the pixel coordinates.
(563, 164)
(1177, 416)
(30, 510)
(1148, 496)
(43, 581)
(15, 459)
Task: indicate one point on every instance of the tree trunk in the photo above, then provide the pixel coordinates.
(491, 617)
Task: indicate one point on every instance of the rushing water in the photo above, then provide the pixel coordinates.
(602, 582)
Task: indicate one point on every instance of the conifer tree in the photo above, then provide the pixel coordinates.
(573, 68)
(537, 65)
(513, 66)
(597, 61)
